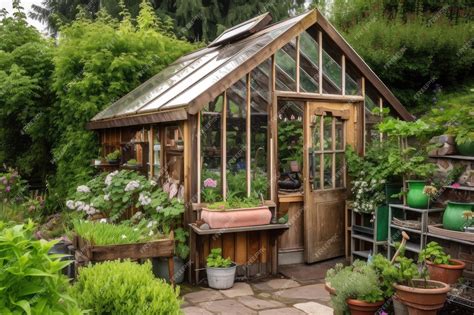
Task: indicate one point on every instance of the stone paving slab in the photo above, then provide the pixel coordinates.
(258, 304)
(314, 308)
(203, 296)
(239, 289)
(307, 292)
(282, 311)
(228, 307)
(276, 284)
(194, 310)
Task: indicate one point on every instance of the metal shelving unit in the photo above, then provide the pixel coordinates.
(422, 232)
(358, 236)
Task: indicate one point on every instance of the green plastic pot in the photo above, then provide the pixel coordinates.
(466, 148)
(416, 198)
(453, 218)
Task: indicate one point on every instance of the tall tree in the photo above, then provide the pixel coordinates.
(26, 66)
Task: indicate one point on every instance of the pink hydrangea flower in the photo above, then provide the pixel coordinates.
(209, 182)
(456, 185)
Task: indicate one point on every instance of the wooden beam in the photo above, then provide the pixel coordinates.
(151, 151)
(320, 61)
(320, 97)
(224, 147)
(363, 116)
(381, 116)
(248, 145)
(198, 157)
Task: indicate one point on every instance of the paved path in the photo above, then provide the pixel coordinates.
(272, 296)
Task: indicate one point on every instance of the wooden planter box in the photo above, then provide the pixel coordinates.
(87, 252)
(230, 218)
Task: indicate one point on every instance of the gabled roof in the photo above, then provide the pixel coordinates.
(190, 82)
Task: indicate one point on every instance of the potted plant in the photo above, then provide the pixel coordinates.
(236, 212)
(356, 288)
(420, 295)
(113, 157)
(220, 271)
(160, 265)
(441, 267)
(469, 223)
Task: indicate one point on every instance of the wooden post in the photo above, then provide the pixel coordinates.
(320, 61)
(224, 147)
(248, 142)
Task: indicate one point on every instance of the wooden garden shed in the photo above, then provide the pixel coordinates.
(259, 109)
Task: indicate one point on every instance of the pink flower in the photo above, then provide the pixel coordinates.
(7, 189)
(209, 182)
(456, 185)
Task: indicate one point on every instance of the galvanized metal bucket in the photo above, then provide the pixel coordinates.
(221, 278)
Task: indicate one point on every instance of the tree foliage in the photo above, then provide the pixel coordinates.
(97, 62)
(26, 65)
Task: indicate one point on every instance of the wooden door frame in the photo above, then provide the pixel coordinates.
(353, 136)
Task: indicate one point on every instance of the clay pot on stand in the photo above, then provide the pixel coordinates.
(446, 273)
(426, 297)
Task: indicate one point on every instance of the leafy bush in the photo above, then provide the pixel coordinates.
(12, 187)
(215, 259)
(30, 279)
(124, 288)
(359, 281)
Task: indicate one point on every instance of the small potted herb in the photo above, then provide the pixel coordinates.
(113, 157)
(220, 271)
(441, 267)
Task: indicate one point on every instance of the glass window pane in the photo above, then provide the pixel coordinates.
(315, 170)
(316, 133)
(340, 170)
(260, 80)
(327, 171)
(309, 59)
(352, 88)
(156, 154)
(236, 137)
(286, 66)
(327, 133)
(211, 119)
(290, 134)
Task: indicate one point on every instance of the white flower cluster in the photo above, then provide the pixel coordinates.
(132, 185)
(107, 197)
(81, 206)
(368, 196)
(159, 208)
(83, 189)
(153, 183)
(108, 178)
(144, 199)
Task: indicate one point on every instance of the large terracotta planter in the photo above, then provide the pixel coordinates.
(358, 307)
(453, 217)
(421, 300)
(228, 218)
(415, 197)
(446, 273)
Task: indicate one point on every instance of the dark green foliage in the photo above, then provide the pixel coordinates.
(97, 62)
(25, 96)
(434, 253)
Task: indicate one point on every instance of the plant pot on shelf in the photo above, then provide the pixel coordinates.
(466, 148)
(446, 273)
(221, 278)
(160, 269)
(422, 300)
(236, 217)
(359, 307)
(453, 218)
(113, 162)
(415, 197)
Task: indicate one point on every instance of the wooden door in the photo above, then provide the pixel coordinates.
(328, 128)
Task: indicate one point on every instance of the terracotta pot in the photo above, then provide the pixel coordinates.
(446, 273)
(358, 307)
(228, 218)
(421, 300)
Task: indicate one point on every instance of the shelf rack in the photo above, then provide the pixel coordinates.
(422, 232)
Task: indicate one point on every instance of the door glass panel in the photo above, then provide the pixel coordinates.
(315, 170)
(328, 171)
(339, 135)
(317, 133)
(327, 135)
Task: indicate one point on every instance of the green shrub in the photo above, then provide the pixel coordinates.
(124, 288)
(30, 280)
(215, 259)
